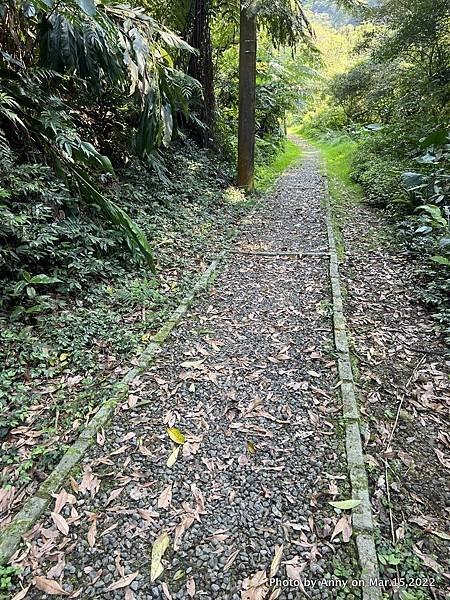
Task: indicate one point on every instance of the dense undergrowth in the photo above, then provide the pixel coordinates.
(379, 113)
(377, 175)
(87, 305)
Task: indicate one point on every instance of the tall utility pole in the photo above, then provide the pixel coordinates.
(247, 85)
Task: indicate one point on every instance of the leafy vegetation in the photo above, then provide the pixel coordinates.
(109, 204)
(384, 104)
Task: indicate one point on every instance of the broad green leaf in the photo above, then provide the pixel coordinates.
(441, 260)
(159, 547)
(346, 504)
(412, 180)
(441, 534)
(176, 435)
(87, 6)
(44, 279)
(115, 214)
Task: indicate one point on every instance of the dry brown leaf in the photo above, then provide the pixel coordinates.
(343, 526)
(254, 588)
(122, 582)
(428, 560)
(129, 595)
(49, 586)
(165, 498)
(190, 587)
(230, 560)
(147, 515)
(113, 495)
(22, 594)
(60, 501)
(56, 571)
(60, 523)
(92, 533)
(186, 522)
(166, 591)
(199, 499)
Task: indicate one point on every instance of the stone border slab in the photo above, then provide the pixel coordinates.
(362, 520)
(35, 506)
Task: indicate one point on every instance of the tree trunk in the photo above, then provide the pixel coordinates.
(201, 67)
(247, 85)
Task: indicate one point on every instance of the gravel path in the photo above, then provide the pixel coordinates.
(249, 379)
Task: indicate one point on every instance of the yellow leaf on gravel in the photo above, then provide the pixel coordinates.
(176, 435)
(159, 547)
(173, 456)
(251, 447)
(276, 561)
(49, 586)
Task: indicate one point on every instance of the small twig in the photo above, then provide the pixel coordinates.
(388, 493)
(402, 399)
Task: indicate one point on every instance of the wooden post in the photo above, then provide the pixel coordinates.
(247, 85)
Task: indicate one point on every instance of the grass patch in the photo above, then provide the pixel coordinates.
(268, 173)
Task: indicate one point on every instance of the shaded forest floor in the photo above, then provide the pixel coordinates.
(250, 380)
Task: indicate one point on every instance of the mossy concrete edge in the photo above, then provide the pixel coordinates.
(362, 515)
(36, 506)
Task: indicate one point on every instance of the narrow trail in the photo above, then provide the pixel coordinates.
(250, 379)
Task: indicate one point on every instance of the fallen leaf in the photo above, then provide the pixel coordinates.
(60, 523)
(346, 504)
(190, 587)
(147, 515)
(92, 533)
(176, 435)
(166, 497)
(49, 586)
(113, 495)
(254, 588)
(230, 560)
(160, 545)
(166, 591)
(428, 560)
(276, 561)
(122, 582)
(441, 534)
(20, 595)
(343, 526)
(173, 456)
(60, 501)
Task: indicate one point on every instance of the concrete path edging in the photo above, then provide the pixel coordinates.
(35, 506)
(362, 521)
